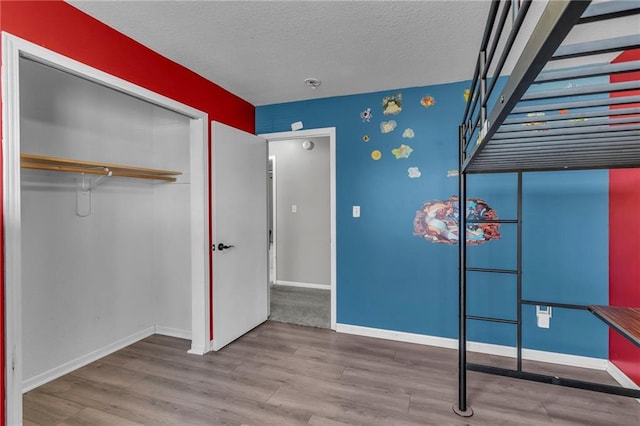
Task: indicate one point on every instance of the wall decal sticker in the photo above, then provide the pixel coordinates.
(414, 172)
(388, 126)
(365, 138)
(366, 115)
(535, 123)
(392, 105)
(437, 222)
(452, 173)
(376, 155)
(408, 133)
(403, 151)
(428, 101)
(578, 119)
(466, 95)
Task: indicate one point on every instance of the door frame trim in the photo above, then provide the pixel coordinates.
(274, 217)
(329, 132)
(13, 48)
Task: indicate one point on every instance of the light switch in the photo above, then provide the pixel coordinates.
(294, 208)
(356, 211)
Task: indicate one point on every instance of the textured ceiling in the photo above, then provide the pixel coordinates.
(263, 50)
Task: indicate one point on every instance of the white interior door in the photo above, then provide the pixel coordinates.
(240, 243)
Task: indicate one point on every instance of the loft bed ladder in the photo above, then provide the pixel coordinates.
(518, 136)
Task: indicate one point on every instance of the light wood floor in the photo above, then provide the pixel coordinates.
(281, 374)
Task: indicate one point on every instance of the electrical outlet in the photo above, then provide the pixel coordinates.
(356, 211)
(294, 208)
(543, 316)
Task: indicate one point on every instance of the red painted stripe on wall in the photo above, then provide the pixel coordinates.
(624, 243)
(3, 415)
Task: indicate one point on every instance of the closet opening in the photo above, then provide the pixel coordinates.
(105, 203)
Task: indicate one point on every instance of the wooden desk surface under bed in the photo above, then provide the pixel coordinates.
(625, 321)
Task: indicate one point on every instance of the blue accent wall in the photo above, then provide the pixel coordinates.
(390, 279)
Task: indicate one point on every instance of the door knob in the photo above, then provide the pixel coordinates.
(223, 247)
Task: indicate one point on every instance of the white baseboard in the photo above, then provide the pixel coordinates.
(540, 356)
(399, 336)
(619, 376)
(485, 348)
(198, 350)
(173, 332)
(566, 359)
(83, 360)
(304, 285)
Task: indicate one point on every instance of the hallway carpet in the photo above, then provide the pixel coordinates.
(301, 306)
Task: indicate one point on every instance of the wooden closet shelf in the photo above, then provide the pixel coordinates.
(68, 165)
(625, 321)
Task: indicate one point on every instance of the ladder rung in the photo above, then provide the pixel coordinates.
(490, 319)
(555, 305)
(497, 271)
(492, 221)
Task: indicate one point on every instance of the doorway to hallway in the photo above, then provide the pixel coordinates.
(302, 227)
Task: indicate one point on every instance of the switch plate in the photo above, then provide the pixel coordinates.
(356, 211)
(294, 208)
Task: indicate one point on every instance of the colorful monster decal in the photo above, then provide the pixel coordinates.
(437, 222)
(427, 101)
(366, 115)
(414, 172)
(376, 155)
(365, 138)
(403, 151)
(466, 95)
(408, 133)
(388, 126)
(392, 105)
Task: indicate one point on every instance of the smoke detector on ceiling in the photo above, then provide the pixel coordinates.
(312, 82)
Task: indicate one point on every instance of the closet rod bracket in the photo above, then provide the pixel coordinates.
(87, 185)
(83, 194)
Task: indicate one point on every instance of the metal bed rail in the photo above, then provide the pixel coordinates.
(534, 95)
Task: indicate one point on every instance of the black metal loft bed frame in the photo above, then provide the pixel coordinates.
(522, 130)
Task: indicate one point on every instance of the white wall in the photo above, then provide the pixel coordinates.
(171, 234)
(303, 238)
(91, 281)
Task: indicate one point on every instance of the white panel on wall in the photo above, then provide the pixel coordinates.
(171, 221)
(171, 143)
(76, 116)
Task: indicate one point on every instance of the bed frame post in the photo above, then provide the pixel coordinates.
(519, 275)
(483, 91)
(515, 9)
(461, 408)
